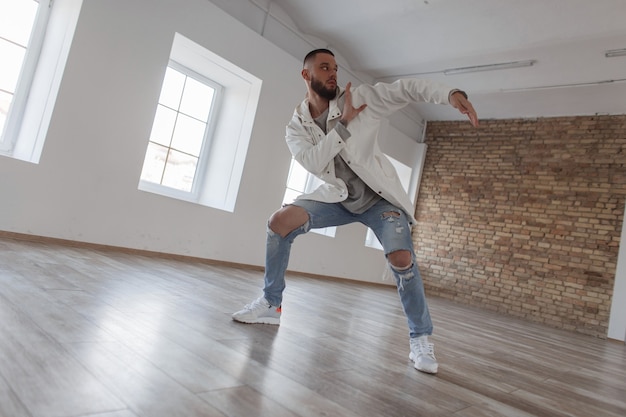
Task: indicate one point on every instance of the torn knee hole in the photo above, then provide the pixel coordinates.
(402, 268)
(400, 260)
(388, 214)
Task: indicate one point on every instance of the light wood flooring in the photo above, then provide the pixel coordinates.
(100, 333)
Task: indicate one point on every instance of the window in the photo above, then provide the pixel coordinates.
(301, 181)
(182, 127)
(405, 173)
(201, 129)
(22, 23)
(34, 44)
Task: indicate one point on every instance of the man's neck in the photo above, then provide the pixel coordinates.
(317, 105)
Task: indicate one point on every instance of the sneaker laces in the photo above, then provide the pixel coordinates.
(423, 347)
(258, 303)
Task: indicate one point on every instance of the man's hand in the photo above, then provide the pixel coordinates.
(459, 102)
(349, 112)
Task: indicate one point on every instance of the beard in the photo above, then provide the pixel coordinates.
(322, 91)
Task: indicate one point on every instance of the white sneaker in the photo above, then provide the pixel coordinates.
(258, 311)
(422, 353)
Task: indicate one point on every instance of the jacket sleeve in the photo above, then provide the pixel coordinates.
(383, 99)
(313, 152)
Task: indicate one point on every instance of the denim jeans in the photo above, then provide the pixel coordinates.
(392, 229)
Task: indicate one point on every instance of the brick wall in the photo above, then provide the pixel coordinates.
(524, 217)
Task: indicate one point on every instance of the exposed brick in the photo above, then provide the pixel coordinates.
(524, 217)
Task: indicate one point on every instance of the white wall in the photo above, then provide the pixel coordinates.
(85, 186)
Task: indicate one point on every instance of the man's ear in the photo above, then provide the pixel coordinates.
(305, 74)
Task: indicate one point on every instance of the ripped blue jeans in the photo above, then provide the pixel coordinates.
(392, 228)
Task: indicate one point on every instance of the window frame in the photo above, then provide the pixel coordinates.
(194, 194)
(228, 147)
(17, 108)
(371, 241)
(311, 183)
(28, 137)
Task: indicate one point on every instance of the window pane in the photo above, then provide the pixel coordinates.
(297, 176)
(180, 171)
(301, 181)
(5, 102)
(197, 99)
(290, 196)
(172, 89)
(163, 127)
(154, 164)
(371, 240)
(327, 231)
(180, 124)
(16, 20)
(11, 57)
(188, 135)
(313, 183)
(404, 172)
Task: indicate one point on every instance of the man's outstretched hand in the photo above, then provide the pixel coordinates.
(459, 102)
(349, 112)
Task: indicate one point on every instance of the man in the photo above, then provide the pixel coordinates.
(332, 134)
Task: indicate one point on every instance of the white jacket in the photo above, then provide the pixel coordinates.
(315, 150)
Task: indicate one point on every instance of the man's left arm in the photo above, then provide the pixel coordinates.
(383, 99)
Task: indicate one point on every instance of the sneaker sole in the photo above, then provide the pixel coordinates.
(428, 371)
(264, 320)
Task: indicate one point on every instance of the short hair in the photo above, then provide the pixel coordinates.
(314, 52)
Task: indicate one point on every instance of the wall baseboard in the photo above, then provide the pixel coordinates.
(121, 249)
(161, 255)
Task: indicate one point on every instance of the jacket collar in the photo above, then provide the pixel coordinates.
(333, 109)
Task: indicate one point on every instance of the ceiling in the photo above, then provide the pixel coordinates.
(567, 39)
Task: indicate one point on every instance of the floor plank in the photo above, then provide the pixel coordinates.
(102, 333)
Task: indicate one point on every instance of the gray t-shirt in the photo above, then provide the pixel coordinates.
(360, 196)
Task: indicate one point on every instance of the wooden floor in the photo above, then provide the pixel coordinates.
(96, 333)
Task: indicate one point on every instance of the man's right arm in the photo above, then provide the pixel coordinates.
(314, 153)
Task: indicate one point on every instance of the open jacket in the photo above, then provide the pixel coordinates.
(316, 151)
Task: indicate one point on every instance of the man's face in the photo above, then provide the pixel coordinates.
(323, 76)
